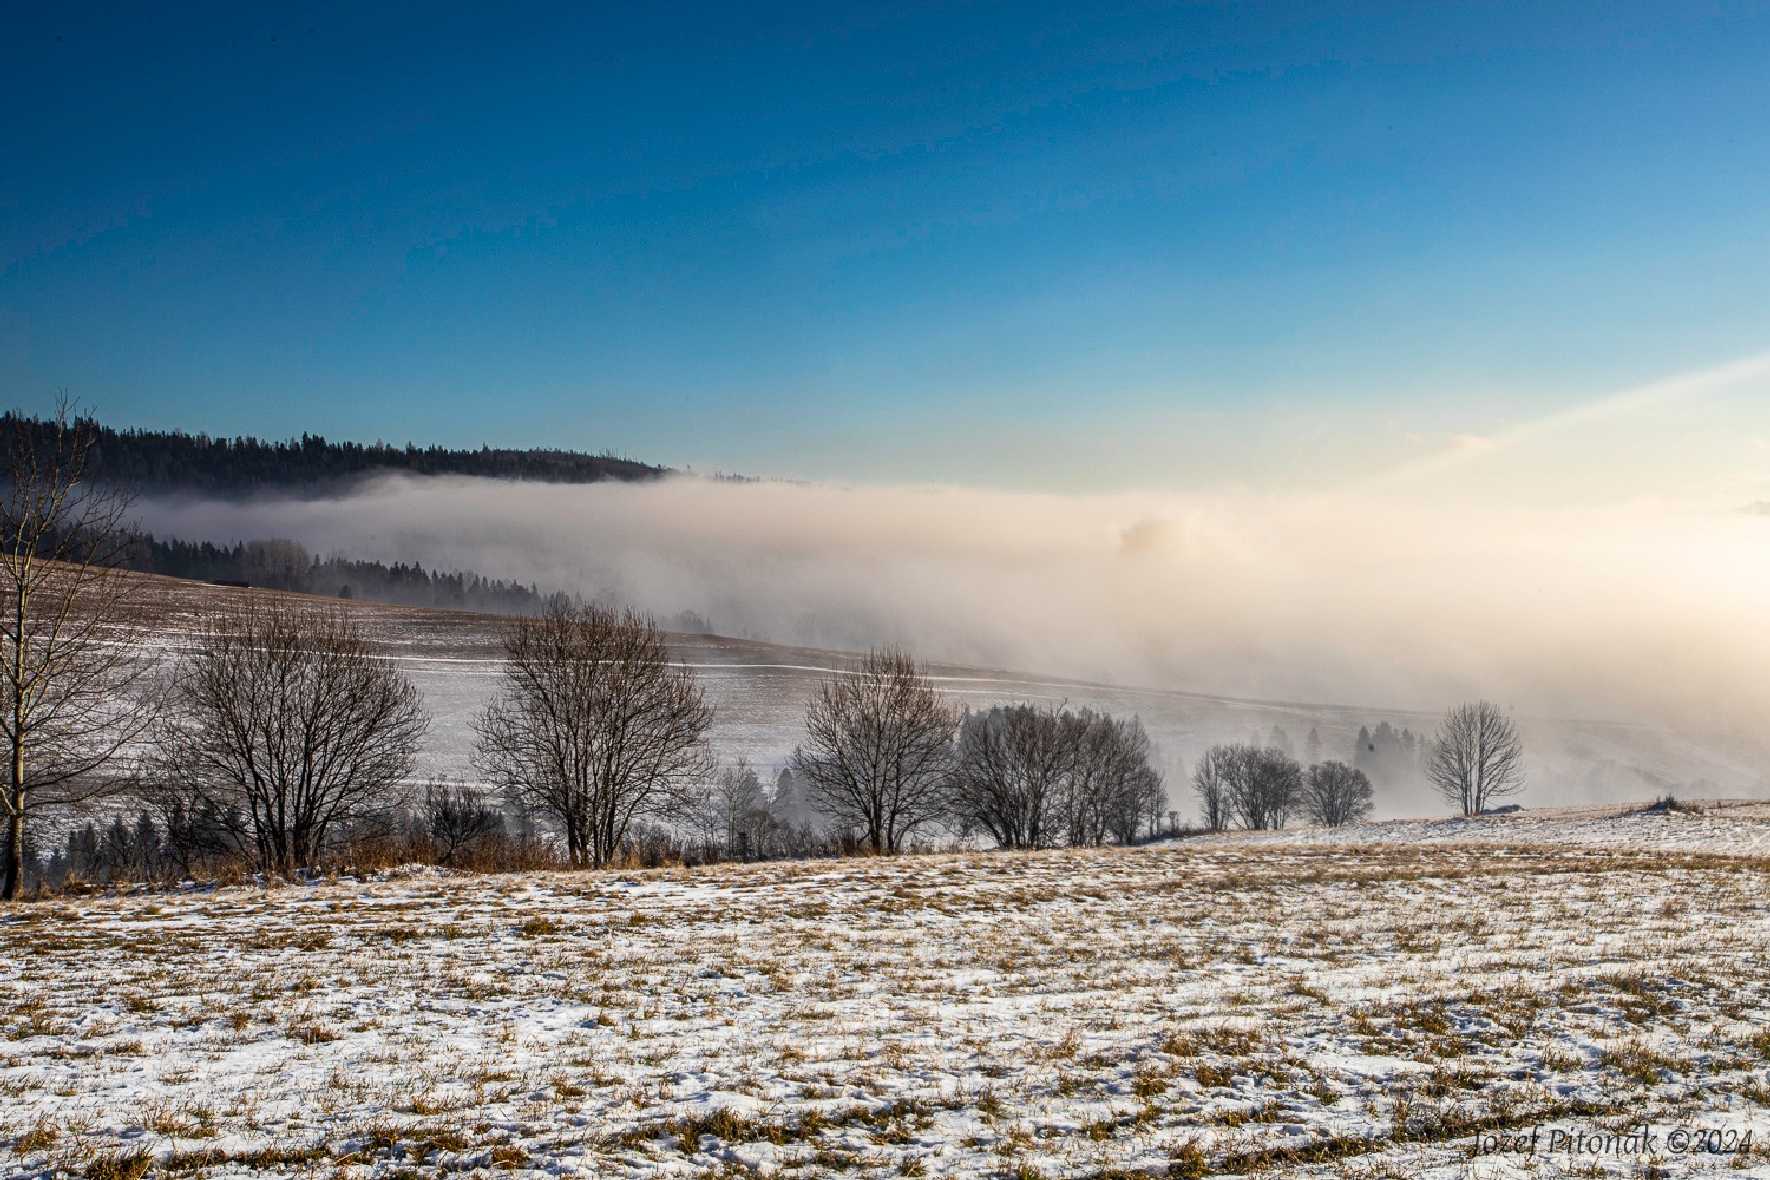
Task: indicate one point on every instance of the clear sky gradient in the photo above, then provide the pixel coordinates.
(1039, 246)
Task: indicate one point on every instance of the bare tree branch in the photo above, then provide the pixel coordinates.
(1477, 757)
(75, 676)
(594, 727)
(284, 723)
(878, 750)
(1335, 794)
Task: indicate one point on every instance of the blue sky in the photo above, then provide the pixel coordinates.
(1064, 246)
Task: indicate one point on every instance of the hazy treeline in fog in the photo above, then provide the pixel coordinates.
(1386, 755)
(286, 565)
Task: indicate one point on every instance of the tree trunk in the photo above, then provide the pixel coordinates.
(15, 851)
(15, 811)
(15, 858)
(15, 826)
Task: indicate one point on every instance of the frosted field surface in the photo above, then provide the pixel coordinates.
(1281, 1006)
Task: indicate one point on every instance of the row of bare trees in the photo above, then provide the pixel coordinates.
(1475, 759)
(286, 722)
(885, 755)
(1262, 787)
(284, 727)
(1033, 777)
(280, 734)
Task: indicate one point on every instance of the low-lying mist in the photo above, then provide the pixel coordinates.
(1636, 612)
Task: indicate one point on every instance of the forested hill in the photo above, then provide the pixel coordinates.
(159, 460)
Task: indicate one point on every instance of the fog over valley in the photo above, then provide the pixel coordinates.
(1634, 614)
(1628, 613)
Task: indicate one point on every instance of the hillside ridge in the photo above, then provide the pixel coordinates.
(178, 460)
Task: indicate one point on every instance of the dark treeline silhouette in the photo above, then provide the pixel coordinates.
(454, 826)
(1389, 757)
(286, 565)
(161, 460)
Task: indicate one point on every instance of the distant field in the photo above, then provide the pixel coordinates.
(1232, 1006)
(760, 690)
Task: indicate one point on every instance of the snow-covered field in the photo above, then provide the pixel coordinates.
(1737, 827)
(1376, 1003)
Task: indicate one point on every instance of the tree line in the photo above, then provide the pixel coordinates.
(731, 816)
(281, 741)
(1475, 759)
(1388, 756)
(287, 565)
(173, 459)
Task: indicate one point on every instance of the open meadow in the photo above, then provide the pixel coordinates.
(1371, 1005)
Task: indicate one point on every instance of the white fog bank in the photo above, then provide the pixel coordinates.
(1632, 612)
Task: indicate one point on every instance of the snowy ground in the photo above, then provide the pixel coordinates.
(1293, 1005)
(1730, 826)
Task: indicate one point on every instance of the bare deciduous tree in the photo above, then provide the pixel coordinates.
(75, 679)
(1155, 800)
(730, 810)
(285, 723)
(1477, 757)
(741, 803)
(878, 749)
(1335, 794)
(1113, 781)
(1137, 794)
(1011, 775)
(1034, 778)
(1211, 782)
(456, 818)
(593, 726)
(1258, 786)
(1087, 789)
(1266, 788)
